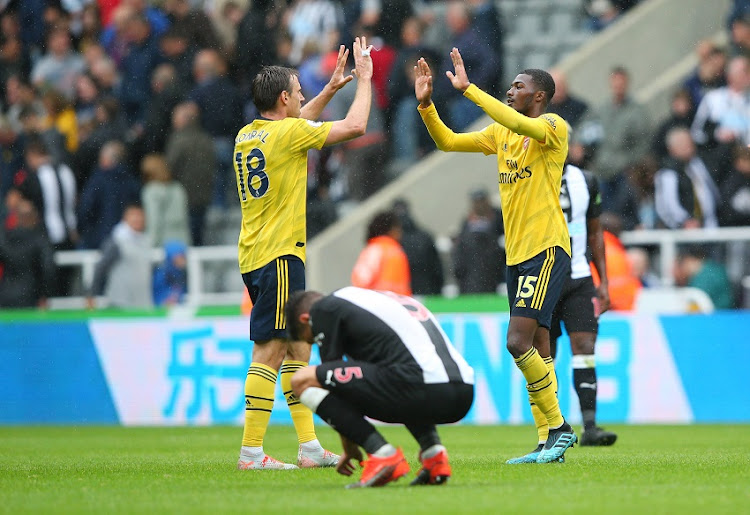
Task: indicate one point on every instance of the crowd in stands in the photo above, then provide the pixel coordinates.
(106, 105)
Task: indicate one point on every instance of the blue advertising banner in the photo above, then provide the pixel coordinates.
(651, 369)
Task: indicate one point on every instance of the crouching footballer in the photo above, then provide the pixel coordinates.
(400, 367)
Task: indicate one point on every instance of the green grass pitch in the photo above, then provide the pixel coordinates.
(652, 469)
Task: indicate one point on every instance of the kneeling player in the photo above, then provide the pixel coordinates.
(400, 368)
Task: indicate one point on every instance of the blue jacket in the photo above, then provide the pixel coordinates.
(103, 201)
(170, 281)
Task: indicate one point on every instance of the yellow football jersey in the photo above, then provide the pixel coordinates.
(270, 163)
(529, 178)
(529, 172)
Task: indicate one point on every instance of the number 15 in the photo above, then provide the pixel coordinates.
(526, 286)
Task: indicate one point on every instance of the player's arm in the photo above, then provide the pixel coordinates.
(355, 123)
(445, 139)
(497, 110)
(312, 109)
(595, 237)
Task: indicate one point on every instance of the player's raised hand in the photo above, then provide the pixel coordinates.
(423, 82)
(458, 77)
(338, 79)
(362, 59)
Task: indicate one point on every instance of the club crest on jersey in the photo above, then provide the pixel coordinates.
(505, 147)
(314, 124)
(526, 143)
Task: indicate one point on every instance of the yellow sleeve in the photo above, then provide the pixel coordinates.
(449, 141)
(309, 134)
(506, 115)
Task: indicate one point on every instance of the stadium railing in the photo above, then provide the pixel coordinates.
(666, 243)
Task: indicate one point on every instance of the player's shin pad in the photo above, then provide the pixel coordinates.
(259, 387)
(540, 386)
(302, 417)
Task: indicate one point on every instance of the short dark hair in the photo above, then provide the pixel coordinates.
(35, 144)
(620, 70)
(542, 80)
(381, 224)
(299, 302)
(268, 85)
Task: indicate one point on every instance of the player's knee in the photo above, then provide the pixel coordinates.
(518, 344)
(583, 345)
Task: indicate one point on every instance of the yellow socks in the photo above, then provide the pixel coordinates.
(259, 390)
(540, 420)
(301, 415)
(540, 386)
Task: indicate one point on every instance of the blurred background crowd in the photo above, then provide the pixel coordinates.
(117, 120)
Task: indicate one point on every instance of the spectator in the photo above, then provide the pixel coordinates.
(363, 158)
(723, 116)
(14, 59)
(486, 20)
(602, 13)
(382, 264)
(735, 192)
(164, 203)
(685, 194)
(91, 26)
(480, 62)
(425, 267)
(710, 72)
(634, 203)
(157, 20)
(740, 36)
(311, 20)
(107, 78)
(51, 188)
(62, 116)
(170, 278)
(681, 114)
(107, 127)
(142, 57)
(166, 94)
(109, 189)
(478, 259)
(28, 269)
(53, 139)
(20, 94)
(60, 66)
(253, 49)
(180, 53)
(220, 110)
(194, 23)
(624, 285)
(87, 93)
(413, 140)
(693, 269)
(572, 109)
(190, 156)
(641, 265)
(123, 273)
(626, 135)
(386, 26)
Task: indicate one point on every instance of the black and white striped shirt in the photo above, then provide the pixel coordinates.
(388, 329)
(580, 201)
